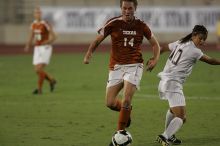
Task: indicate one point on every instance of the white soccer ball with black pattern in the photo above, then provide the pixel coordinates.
(122, 138)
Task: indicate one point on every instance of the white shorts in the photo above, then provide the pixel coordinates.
(172, 91)
(42, 54)
(166, 85)
(129, 72)
(174, 98)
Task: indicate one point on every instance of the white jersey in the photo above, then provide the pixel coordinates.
(180, 62)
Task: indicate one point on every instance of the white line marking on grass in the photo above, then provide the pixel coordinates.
(187, 97)
(184, 85)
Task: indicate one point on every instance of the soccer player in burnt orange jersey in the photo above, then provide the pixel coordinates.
(43, 35)
(126, 62)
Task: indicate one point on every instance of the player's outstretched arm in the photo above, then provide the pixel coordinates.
(210, 60)
(92, 48)
(151, 63)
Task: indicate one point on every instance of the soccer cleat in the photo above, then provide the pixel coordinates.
(162, 140)
(37, 91)
(111, 144)
(174, 140)
(52, 85)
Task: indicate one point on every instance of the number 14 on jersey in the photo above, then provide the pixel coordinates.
(128, 42)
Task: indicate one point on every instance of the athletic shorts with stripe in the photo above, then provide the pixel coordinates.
(172, 91)
(129, 72)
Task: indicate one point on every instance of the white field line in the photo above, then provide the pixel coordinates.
(143, 86)
(148, 96)
(185, 85)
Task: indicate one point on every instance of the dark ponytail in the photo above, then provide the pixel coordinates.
(198, 29)
(186, 38)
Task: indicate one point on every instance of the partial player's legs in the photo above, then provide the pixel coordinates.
(175, 116)
(125, 112)
(173, 126)
(169, 118)
(42, 75)
(124, 107)
(127, 76)
(112, 101)
(52, 82)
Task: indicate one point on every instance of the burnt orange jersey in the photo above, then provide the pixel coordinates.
(126, 40)
(41, 31)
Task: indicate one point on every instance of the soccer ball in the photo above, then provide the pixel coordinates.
(121, 138)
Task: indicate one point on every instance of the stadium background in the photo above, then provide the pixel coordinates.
(16, 16)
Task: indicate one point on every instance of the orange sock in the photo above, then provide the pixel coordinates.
(47, 77)
(41, 77)
(123, 118)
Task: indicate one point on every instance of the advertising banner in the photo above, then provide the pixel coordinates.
(160, 19)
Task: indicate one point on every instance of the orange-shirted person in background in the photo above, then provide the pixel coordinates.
(42, 33)
(218, 33)
(126, 61)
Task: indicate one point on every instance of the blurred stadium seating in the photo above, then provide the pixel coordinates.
(16, 16)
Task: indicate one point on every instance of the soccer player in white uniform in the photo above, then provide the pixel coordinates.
(184, 54)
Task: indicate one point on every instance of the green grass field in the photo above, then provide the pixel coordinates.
(75, 114)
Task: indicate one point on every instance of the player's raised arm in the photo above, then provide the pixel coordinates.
(156, 53)
(29, 42)
(92, 48)
(210, 60)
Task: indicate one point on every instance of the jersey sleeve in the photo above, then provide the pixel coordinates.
(47, 25)
(105, 30)
(147, 32)
(198, 53)
(173, 45)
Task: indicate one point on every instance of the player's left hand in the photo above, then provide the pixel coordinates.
(151, 63)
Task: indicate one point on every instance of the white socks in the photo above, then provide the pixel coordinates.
(173, 127)
(169, 118)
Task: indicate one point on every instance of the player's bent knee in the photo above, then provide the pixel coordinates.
(38, 70)
(111, 106)
(114, 108)
(183, 118)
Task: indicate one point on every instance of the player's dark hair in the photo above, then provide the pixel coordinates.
(198, 29)
(134, 1)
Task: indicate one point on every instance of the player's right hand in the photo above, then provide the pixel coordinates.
(151, 63)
